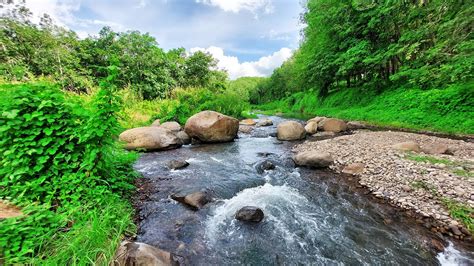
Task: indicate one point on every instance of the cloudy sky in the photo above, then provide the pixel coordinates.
(248, 37)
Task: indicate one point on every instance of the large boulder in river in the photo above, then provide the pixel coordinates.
(194, 200)
(313, 159)
(141, 254)
(150, 138)
(210, 126)
(290, 130)
(311, 127)
(333, 125)
(173, 126)
(249, 214)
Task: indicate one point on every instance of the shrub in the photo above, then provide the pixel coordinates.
(58, 155)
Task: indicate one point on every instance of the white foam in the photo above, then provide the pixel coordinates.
(273, 200)
(451, 257)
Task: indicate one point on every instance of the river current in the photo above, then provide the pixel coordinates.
(311, 216)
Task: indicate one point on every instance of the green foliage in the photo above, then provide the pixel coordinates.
(29, 50)
(447, 110)
(460, 211)
(354, 50)
(186, 102)
(58, 155)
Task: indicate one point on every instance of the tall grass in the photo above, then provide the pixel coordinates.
(449, 110)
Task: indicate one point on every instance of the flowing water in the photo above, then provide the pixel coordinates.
(311, 217)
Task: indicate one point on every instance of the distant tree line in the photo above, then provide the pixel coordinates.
(29, 51)
(377, 45)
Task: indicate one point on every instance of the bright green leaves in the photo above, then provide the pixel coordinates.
(55, 153)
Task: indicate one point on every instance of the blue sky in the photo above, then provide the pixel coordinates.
(248, 37)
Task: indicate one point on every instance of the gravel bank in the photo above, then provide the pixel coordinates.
(397, 177)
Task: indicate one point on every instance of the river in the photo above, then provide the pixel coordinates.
(311, 216)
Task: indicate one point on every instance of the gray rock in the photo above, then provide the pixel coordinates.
(250, 214)
(265, 166)
(177, 164)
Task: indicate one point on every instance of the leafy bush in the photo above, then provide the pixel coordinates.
(59, 155)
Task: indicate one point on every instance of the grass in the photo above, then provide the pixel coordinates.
(461, 212)
(428, 159)
(455, 167)
(92, 239)
(449, 110)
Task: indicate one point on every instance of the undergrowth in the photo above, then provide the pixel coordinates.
(61, 164)
(447, 110)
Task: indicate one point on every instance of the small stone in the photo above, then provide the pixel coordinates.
(177, 164)
(455, 230)
(250, 214)
(354, 168)
(437, 245)
(406, 188)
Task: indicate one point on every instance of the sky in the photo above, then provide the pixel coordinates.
(248, 37)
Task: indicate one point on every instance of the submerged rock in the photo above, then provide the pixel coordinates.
(210, 126)
(265, 165)
(194, 200)
(177, 164)
(250, 214)
(313, 159)
(290, 130)
(136, 253)
(265, 122)
(150, 138)
(407, 146)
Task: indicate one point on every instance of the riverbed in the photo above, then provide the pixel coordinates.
(311, 216)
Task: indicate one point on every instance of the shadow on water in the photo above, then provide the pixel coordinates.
(311, 217)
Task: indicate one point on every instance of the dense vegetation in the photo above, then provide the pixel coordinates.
(64, 99)
(61, 163)
(406, 63)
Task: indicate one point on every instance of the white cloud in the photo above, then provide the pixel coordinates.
(62, 14)
(236, 6)
(260, 68)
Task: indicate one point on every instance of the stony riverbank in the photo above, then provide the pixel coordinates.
(419, 182)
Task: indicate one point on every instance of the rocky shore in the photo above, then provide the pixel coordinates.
(420, 173)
